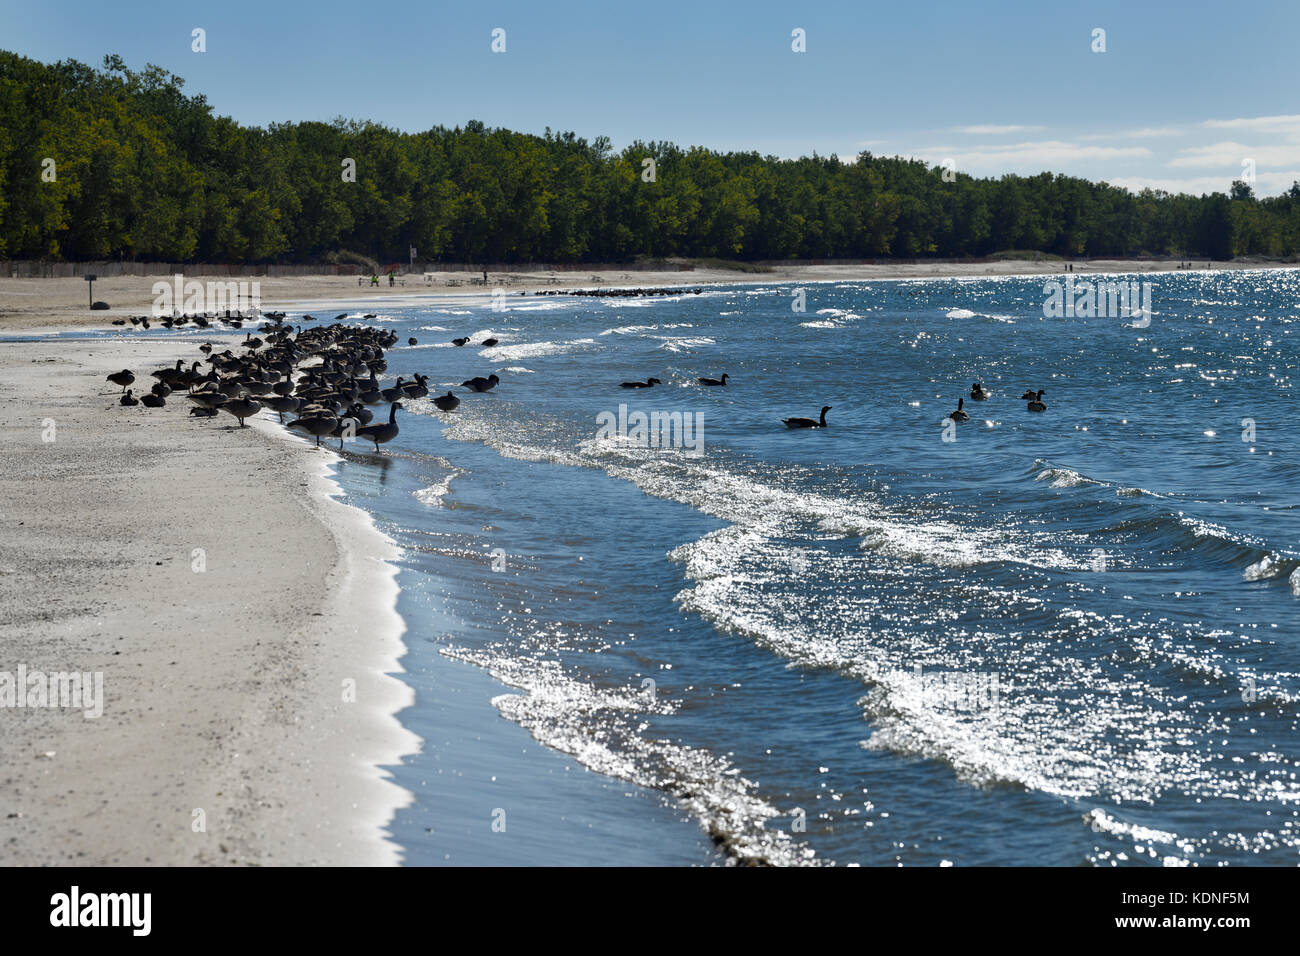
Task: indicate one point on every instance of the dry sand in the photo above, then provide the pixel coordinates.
(223, 688)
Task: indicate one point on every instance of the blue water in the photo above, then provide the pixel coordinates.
(1066, 638)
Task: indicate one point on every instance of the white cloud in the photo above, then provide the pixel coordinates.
(1136, 133)
(1263, 124)
(1266, 183)
(1228, 153)
(994, 130)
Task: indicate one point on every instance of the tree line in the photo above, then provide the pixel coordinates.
(112, 163)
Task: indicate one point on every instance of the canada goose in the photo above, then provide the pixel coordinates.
(281, 404)
(807, 422)
(481, 384)
(242, 408)
(713, 381)
(383, 432)
(977, 393)
(648, 383)
(1036, 403)
(203, 412)
(152, 401)
(212, 399)
(285, 387)
(321, 425)
(127, 400)
(1029, 396)
(123, 378)
(395, 393)
(417, 389)
(206, 348)
(446, 403)
(488, 343)
(412, 341)
(460, 342)
(165, 374)
(161, 390)
(959, 415)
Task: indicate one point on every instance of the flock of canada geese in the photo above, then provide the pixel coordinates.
(331, 396)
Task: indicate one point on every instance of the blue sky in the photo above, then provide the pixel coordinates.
(1183, 95)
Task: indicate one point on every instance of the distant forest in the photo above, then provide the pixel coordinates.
(143, 171)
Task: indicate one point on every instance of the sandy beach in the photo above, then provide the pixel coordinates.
(225, 598)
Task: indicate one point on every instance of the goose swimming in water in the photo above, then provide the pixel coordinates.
(127, 400)
(488, 343)
(713, 381)
(417, 389)
(959, 415)
(412, 341)
(807, 422)
(460, 342)
(446, 403)
(123, 378)
(384, 432)
(395, 393)
(1029, 396)
(648, 383)
(1036, 402)
(977, 393)
(481, 384)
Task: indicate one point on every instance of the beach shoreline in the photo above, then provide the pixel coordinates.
(246, 631)
(45, 305)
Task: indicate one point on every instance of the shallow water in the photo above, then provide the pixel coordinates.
(1061, 638)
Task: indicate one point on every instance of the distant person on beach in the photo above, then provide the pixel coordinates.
(392, 279)
(374, 280)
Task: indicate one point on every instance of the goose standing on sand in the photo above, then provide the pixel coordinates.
(713, 381)
(446, 403)
(959, 415)
(480, 384)
(1036, 403)
(384, 432)
(321, 425)
(648, 383)
(977, 393)
(242, 408)
(808, 422)
(123, 378)
(127, 399)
